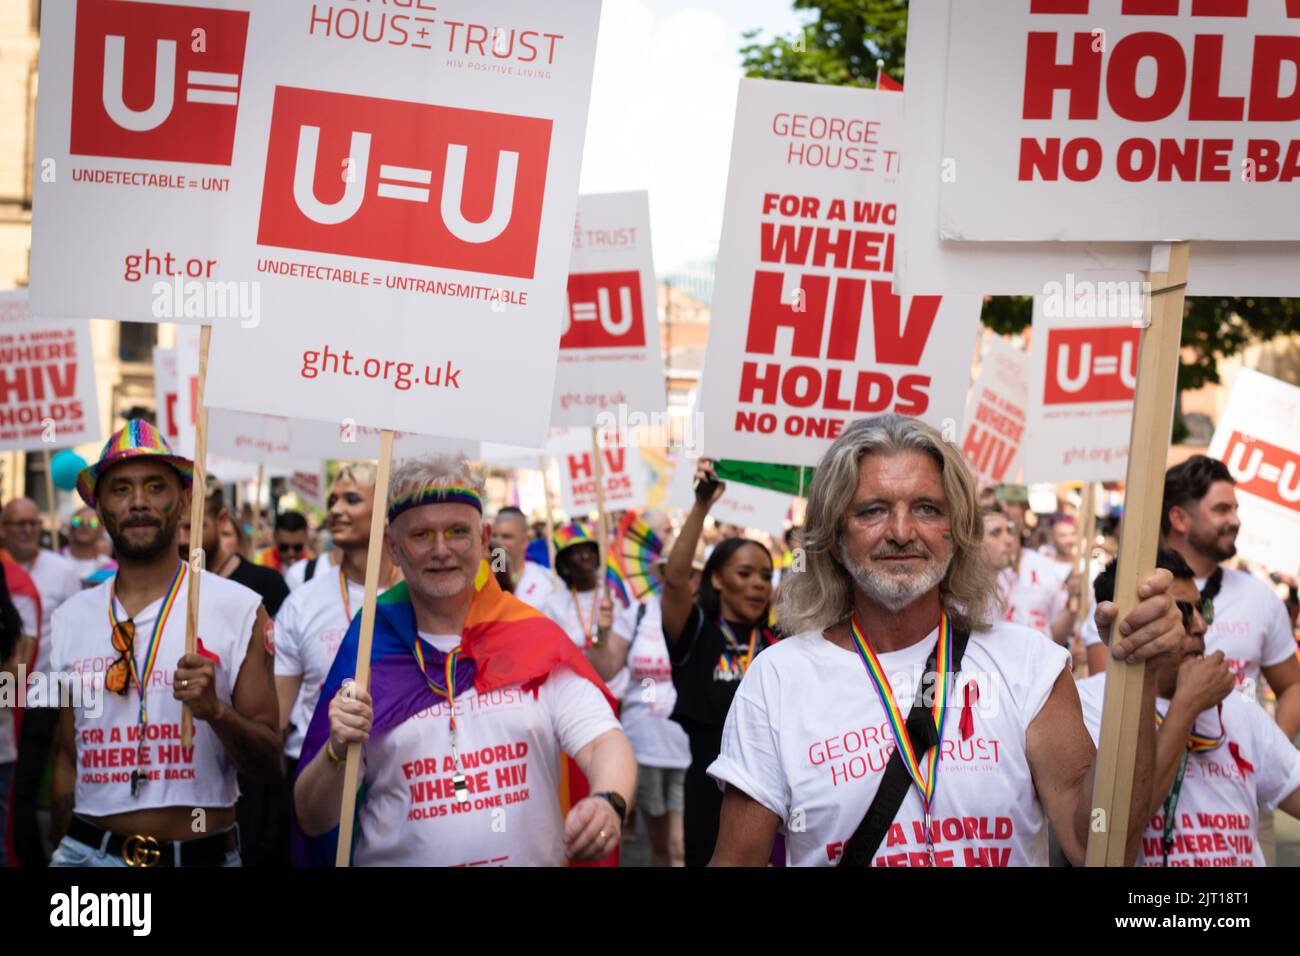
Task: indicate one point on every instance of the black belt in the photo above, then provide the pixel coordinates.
(145, 851)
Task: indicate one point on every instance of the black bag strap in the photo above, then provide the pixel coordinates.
(310, 569)
(862, 846)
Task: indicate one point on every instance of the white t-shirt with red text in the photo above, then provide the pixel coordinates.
(26, 607)
(534, 585)
(650, 696)
(1250, 626)
(57, 579)
(203, 775)
(1216, 817)
(308, 631)
(808, 738)
(1033, 593)
(509, 741)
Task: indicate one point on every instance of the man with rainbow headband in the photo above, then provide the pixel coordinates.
(126, 792)
(901, 724)
(474, 696)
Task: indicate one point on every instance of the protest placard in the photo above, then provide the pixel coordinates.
(1258, 438)
(993, 434)
(47, 380)
(406, 206)
(610, 350)
(806, 333)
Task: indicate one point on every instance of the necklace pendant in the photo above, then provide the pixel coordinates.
(461, 786)
(137, 778)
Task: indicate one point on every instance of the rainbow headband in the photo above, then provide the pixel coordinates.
(452, 495)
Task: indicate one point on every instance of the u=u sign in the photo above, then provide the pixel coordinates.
(201, 86)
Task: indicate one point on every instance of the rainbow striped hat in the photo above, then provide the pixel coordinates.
(566, 536)
(137, 439)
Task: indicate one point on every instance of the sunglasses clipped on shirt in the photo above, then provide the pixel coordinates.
(118, 678)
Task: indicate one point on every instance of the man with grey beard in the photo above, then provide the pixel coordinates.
(894, 634)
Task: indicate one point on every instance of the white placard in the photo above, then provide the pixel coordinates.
(1093, 123)
(321, 441)
(166, 396)
(1258, 438)
(135, 132)
(406, 207)
(47, 380)
(1083, 365)
(743, 505)
(927, 264)
(806, 334)
(993, 433)
(188, 343)
(610, 351)
(624, 479)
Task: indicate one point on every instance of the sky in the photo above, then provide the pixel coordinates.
(662, 109)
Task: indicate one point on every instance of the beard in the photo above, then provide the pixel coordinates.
(1220, 546)
(893, 592)
(163, 539)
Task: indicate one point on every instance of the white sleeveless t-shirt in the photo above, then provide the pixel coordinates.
(109, 745)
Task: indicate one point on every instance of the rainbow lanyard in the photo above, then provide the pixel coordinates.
(1200, 743)
(587, 626)
(925, 783)
(458, 782)
(150, 658)
(732, 661)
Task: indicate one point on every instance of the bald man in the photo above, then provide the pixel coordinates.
(532, 582)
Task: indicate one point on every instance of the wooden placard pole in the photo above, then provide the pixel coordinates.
(543, 464)
(1153, 412)
(601, 529)
(198, 499)
(374, 558)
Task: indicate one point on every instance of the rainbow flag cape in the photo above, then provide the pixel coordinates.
(505, 643)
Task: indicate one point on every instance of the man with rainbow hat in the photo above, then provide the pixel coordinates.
(474, 696)
(126, 793)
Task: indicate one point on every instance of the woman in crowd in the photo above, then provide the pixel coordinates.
(711, 640)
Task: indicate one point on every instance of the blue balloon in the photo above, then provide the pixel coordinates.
(65, 467)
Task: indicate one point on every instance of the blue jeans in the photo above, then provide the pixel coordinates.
(72, 852)
(6, 777)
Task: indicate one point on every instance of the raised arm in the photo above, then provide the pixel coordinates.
(1202, 683)
(677, 598)
(609, 653)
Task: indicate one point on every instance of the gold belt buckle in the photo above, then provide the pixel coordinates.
(140, 850)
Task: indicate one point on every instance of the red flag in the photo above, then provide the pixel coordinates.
(886, 82)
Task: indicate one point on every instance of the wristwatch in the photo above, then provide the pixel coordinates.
(615, 801)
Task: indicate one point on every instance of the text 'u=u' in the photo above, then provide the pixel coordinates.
(226, 94)
(1105, 365)
(405, 174)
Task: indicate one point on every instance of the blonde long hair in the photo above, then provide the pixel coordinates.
(821, 596)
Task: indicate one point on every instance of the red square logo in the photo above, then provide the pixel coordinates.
(156, 81)
(1091, 365)
(1264, 469)
(405, 182)
(604, 311)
